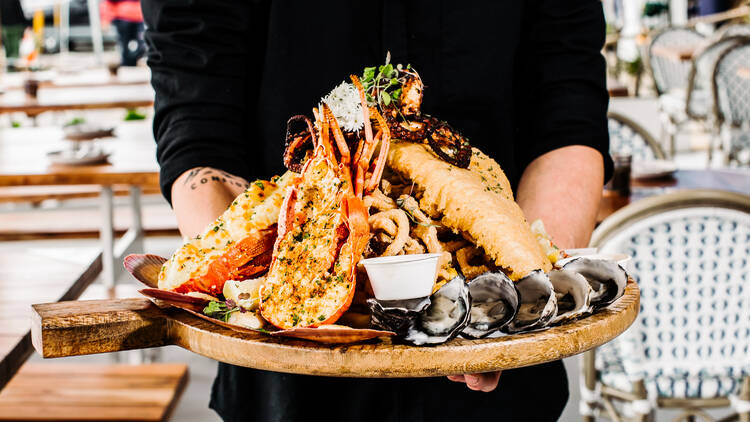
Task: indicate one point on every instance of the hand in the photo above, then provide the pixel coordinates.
(478, 382)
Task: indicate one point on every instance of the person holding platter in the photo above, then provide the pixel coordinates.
(523, 80)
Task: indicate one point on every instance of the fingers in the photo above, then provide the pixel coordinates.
(478, 382)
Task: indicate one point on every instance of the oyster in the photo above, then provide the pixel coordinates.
(573, 295)
(538, 304)
(607, 278)
(494, 303)
(396, 315)
(444, 318)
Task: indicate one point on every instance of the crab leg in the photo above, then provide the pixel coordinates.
(324, 141)
(361, 164)
(385, 143)
(338, 136)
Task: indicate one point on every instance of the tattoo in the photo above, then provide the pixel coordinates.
(192, 174)
(208, 174)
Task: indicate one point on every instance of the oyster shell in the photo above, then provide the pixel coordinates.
(606, 278)
(538, 304)
(573, 294)
(396, 315)
(444, 318)
(494, 303)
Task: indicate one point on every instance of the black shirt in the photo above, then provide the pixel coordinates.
(518, 78)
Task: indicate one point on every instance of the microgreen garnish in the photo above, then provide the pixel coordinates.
(220, 310)
(382, 85)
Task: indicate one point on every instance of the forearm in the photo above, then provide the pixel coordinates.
(200, 195)
(563, 188)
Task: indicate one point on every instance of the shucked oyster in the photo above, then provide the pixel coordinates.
(396, 315)
(607, 278)
(446, 316)
(494, 303)
(538, 303)
(573, 295)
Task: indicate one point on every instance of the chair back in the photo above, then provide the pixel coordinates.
(691, 258)
(628, 137)
(731, 84)
(734, 29)
(670, 73)
(700, 98)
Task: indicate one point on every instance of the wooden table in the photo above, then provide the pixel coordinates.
(730, 180)
(103, 97)
(616, 88)
(80, 79)
(28, 276)
(23, 162)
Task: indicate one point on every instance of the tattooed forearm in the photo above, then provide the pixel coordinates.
(202, 175)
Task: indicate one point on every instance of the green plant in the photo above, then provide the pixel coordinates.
(75, 121)
(133, 114)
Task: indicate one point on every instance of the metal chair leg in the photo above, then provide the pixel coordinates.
(639, 390)
(589, 378)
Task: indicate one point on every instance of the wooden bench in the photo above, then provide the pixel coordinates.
(37, 194)
(93, 392)
(37, 275)
(158, 219)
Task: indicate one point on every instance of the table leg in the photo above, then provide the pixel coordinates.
(106, 235)
(137, 227)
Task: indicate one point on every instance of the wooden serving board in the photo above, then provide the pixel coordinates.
(100, 326)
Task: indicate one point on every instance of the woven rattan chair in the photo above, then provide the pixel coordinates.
(699, 104)
(690, 345)
(668, 73)
(628, 137)
(733, 30)
(732, 101)
(671, 76)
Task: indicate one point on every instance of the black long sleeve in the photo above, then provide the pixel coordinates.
(562, 71)
(202, 56)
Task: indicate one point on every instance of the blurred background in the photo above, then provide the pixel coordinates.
(79, 190)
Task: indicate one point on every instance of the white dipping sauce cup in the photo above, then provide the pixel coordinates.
(402, 276)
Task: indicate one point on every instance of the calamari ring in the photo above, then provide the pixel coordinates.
(384, 221)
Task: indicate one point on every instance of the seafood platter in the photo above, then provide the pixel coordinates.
(388, 229)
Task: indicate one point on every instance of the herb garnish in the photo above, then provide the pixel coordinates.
(220, 310)
(383, 85)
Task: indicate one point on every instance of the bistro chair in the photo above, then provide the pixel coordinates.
(731, 89)
(733, 30)
(689, 348)
(671, 76)
(699, 103)
(628, 137)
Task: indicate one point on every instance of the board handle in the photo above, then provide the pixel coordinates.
(97, 326)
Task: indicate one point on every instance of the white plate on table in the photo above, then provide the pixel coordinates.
(78, 158)
(87, 132)
(653, 169)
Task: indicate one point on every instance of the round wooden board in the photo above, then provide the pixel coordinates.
(384, 359)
